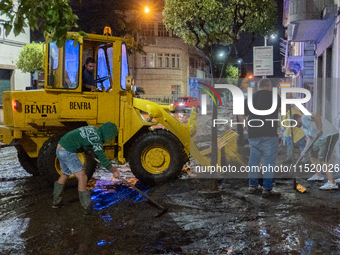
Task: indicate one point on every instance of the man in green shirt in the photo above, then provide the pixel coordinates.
(76, 141)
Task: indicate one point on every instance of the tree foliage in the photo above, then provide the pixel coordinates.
(55, 17)
(209, 24)
(232, 71)
(205, 22)
(31, 58)
(232, 74)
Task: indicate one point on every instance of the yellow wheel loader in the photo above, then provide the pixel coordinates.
(35, 120)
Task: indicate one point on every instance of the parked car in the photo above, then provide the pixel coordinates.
(185, 103)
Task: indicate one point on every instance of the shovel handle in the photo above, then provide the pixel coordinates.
(308, 149)
(143, 194)
(298, 161)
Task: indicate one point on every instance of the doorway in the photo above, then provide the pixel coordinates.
(5, 81)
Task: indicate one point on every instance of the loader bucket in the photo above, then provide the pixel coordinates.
(227, 146)
(226, 143)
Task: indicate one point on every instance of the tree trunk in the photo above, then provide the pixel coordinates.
(214, 150)
(34, 80)
(240, 141)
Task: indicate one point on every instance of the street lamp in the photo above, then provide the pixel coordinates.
(239, 62)
(272, 37)
(146, 9)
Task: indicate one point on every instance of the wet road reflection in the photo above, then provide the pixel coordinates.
(106, 193)
(230, 222)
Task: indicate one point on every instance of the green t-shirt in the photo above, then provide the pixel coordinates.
(84, 139)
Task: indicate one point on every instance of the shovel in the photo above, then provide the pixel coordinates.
(298, 187)
(150, 200)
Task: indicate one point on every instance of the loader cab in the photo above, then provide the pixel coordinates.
(65, 66)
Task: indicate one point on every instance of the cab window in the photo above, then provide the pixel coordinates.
(53, 60)
(124, 67)
(110, 57)
(104, 62)
(63, 66)
(54, 56)
(103, 55)
(71, 74)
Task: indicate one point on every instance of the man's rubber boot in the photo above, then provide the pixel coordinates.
(85, 201)
(289, 158)
(57, 195)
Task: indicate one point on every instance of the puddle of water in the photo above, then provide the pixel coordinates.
(108, 192)
(106, 217)
(308, 248)
(104, 242)
(287, 227)
(263, 232)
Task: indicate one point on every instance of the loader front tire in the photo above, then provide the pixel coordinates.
(157, 157)
(49, 166)
(27, 163)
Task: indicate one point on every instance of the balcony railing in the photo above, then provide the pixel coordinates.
(160, 98)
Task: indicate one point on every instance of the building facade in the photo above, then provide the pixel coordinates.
(312, 54)
(164, 68)
(10, 46)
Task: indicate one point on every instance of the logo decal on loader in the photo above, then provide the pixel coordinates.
(80, 105)
(43, 109)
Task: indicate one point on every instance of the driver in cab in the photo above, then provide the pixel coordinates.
(89, 83)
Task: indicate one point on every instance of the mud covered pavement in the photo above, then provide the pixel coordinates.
(198, 222)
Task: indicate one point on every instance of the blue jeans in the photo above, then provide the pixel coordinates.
(69, 161)
(268, 148)
(301, 143)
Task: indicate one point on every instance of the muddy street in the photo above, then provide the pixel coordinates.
(198, 222)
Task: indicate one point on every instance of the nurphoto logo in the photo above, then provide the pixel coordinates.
(238, 105)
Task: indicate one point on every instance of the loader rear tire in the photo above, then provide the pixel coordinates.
(157, 157)
(27, 163)
(49, 166)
